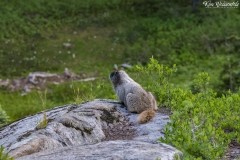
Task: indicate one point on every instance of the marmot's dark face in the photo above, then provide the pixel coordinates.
(115, 77)
(112, 75)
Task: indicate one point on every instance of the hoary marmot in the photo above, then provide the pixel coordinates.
(133, 96)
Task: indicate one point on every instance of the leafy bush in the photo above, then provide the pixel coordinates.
(193, 41)
(3, 117)
(160, 75)
(202, 124)
(4, 156)
(230, 75)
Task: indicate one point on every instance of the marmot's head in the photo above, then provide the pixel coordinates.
(119, 77)
(115, 77)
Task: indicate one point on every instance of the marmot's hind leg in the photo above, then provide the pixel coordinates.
(138, 102)
(133, 102)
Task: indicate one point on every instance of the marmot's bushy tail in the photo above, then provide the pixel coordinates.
(146, 116)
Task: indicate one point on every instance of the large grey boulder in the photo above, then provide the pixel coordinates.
(108, 150)
(100, 129)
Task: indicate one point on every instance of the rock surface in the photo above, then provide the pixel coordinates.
(100, 129)
(108, 150)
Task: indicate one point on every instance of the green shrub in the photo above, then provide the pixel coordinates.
(3, 117)
(200, 122)
(4, 156)
(160, 76)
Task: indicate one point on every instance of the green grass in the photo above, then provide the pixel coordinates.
(18, 106)
(92, 52)
(95, 56)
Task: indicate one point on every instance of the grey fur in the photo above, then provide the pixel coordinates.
(129, 92)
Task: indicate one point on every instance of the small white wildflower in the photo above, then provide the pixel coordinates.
(35, 52)
(95, 37)
(69, 52)
(68, 45)
(73, 55)
(60, 52)
(8, 41)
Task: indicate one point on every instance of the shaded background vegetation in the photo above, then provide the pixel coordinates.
(195, 38)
